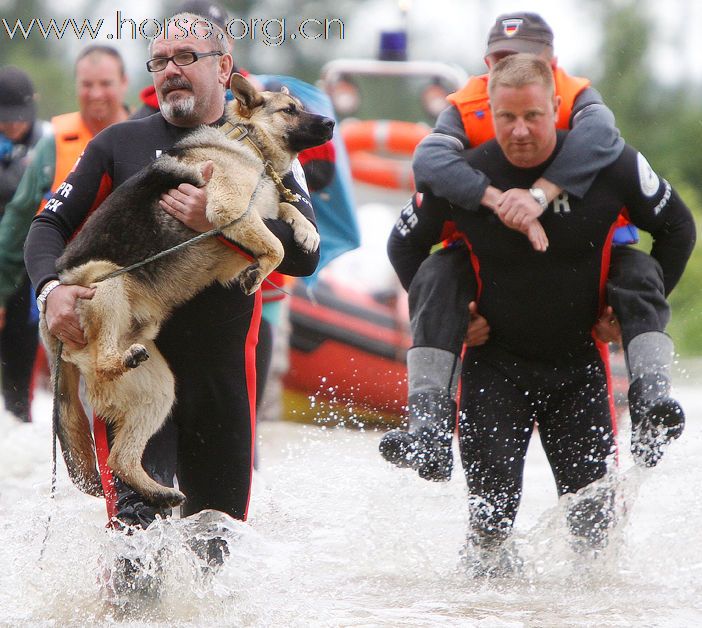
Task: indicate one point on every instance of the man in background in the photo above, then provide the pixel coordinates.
(19, 132)
(101, 86)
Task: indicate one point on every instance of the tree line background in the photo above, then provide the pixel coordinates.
(663, 121)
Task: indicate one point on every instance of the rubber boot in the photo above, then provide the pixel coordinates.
(656, 418)
(426, 445)
(490, 555)
(591, 516)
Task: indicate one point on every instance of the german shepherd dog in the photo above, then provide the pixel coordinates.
(128, 381)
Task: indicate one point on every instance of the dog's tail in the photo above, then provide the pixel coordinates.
(74, 431)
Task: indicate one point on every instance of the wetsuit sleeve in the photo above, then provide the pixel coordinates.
(440, 166)
(593, 143)
(65, 212)
(296, 262)
(416, 230)
(656, 207)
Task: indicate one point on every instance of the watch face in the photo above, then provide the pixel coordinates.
(540, 196)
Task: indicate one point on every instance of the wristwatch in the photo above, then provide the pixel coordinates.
(48, 287)
(540, 197)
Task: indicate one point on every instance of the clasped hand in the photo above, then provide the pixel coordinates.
(519, 210)
(188, 203)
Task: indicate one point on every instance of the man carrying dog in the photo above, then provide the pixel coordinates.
(209, 342)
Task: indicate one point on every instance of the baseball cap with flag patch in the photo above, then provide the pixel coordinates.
(519, 32)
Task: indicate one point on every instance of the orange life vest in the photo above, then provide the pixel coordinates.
(71, 137)
(473, 104)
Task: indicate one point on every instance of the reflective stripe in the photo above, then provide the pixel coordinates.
(102, 449)
(250, 366)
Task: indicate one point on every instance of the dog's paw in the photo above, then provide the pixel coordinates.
(135, 355)
(166, 498)
(251, 278)
(91, 485)
(307, 238)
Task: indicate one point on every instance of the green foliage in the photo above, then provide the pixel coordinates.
(686, 302)
(664, 124)
(42, 59)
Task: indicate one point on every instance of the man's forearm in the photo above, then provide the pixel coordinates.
(593, 143)
(297, 262)
(43, 247)
(440, 166)
(491, 197)
(674, 242)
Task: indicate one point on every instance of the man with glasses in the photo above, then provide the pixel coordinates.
(159, 64)
(208, 342)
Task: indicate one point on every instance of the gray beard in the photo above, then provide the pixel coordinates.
(183, 110)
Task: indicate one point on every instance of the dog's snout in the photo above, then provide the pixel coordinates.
(311, 130)
(328, 126)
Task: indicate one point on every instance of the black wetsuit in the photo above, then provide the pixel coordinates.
(209, 342)
(541, 362)
(635, 287)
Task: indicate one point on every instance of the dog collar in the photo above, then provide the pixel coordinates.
(239, 132)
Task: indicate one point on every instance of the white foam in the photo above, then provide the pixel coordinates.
(337, 537)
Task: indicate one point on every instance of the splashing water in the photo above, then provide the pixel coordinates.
(337, 537)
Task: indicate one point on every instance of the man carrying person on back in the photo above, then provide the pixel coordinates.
(540, 364)
(438, 309)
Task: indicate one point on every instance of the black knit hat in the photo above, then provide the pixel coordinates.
(16, 96)
(209, 10)
(519, 32)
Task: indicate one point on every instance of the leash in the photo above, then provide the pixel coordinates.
(54, 438)
(187, 243)
(236, 132)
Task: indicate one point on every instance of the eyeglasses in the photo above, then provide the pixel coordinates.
(182, 58)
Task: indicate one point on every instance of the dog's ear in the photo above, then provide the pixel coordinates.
(206, 169)
(246, 94)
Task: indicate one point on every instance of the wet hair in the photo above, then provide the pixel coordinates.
(102, 49)
(519, 70)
